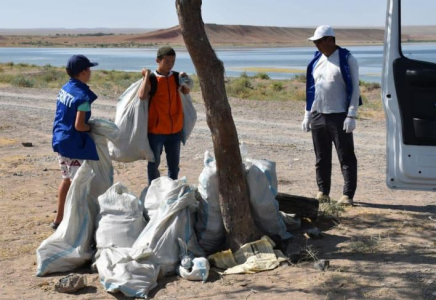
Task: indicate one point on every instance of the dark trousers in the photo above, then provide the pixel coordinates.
(171, 143)
(328, 129)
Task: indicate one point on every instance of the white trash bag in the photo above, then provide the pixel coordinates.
(132, 120)
(101, 131)
(69, 247)
(192, 268)
(198, 272)
(262, 184)
(174, 219)
(119, 272)
(120, 220)
(189, 113)
(209, 226)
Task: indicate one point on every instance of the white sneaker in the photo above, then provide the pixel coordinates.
(345, 201)
(322, 198)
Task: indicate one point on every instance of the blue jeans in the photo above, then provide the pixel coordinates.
(171, 143)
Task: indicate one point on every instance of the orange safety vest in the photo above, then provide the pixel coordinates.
(165, 113)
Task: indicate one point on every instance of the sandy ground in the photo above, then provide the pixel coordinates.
(384, 247)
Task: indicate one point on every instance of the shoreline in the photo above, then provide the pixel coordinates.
(217, 46)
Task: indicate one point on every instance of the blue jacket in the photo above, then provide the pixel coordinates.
(345, 71)
(67, 141)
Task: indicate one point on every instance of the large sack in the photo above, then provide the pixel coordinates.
(69, 246)
(120, 220)
(132, 120)
(174, 219)
(209, 225)
(189, 116)
(102, 131)
(262, 184)
(119, 272)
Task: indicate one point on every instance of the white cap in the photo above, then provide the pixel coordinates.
(322, 31)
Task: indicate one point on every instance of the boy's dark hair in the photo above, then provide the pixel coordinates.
(165, 50)
(71, 74)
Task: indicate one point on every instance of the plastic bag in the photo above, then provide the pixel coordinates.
(132, 120)
(120, 221)
(174, 219)
(262, 183)
(209, 226)
(69, 247)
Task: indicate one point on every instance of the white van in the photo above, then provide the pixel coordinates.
(409, 100)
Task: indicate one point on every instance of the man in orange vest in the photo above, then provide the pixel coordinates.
(165, 113)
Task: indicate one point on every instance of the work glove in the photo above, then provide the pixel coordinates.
(349, 124)
(305, 125)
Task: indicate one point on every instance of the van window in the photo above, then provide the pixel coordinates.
(418, 30)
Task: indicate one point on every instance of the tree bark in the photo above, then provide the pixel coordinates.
(234, 195)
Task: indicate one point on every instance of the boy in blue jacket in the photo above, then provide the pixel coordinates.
(71, 138)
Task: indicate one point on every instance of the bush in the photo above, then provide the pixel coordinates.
(262, 76)
(243, 75)
(240, 87)
(22, 81)
(369, 85)
(277, 86)
(50, 75)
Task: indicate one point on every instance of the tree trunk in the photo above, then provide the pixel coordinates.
(234, 195)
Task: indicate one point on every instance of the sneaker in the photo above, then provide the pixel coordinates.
(322, 198)
(345, 201)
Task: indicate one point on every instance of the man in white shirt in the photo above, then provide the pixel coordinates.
(332, 100)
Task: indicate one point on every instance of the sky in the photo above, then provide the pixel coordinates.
(162, 13)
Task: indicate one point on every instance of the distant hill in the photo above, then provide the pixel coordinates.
(54, 31)
(260, 35)
(219, 36)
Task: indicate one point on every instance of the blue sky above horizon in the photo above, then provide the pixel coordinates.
(162, 13)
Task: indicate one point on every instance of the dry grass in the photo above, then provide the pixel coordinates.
(7, 141)
(330, 210)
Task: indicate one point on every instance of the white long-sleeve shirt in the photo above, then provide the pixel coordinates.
(330, 87)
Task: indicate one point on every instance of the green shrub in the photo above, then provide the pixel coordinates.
(22, 81)
(240, 86)
(369, 85)
(264, 76)
(277, 86)
(51, 74)
(243, 75)
(6, 78)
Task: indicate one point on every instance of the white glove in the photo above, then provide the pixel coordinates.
(305, 125)
(349, 124)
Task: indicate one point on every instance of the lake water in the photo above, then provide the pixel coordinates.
(236, 60)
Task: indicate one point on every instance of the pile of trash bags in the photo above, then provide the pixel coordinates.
(173, 230)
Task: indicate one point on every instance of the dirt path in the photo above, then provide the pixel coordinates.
(384, 248)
